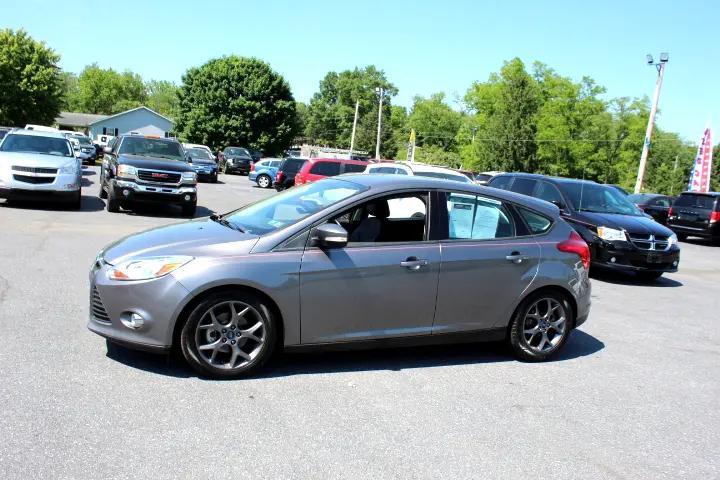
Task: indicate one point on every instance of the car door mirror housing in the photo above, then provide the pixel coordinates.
(559, 204)
(329, 235)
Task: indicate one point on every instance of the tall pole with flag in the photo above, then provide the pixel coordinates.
(411, 146)
(702, 167)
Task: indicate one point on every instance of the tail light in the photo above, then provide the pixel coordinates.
(714, 217)
(299, 179)
(279, 176)
(670, 212)
(575, 244)
(252, 167)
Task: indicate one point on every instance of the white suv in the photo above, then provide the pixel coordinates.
(418, 169)
(38, 164)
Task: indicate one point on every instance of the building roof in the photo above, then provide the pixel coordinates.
(75, 119)
(132, 110)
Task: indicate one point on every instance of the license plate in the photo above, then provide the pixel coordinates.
(654, 258)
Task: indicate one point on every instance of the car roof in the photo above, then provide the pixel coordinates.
(700, 193)
(538, 176)
(37, 133)
(416, 167)
(384, 183)
(339, 160)
(150, 137)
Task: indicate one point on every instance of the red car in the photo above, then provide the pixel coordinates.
(319, 168)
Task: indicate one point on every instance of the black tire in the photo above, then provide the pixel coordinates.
(76, 202)
(681, 237)
(189, 210)
(520, 346)
(263, 181)
(188, 337)
(112, 204)
(213, 179)
(103, 194)
(648, 276)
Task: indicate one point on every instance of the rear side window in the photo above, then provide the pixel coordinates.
(694, 200)
(328, 169)
(536, 222)
(353, 168)
(383, 170)
(660, 202)
(477, 218)
(292, 166)
(524, 186)
(502, 182)
(549, 193)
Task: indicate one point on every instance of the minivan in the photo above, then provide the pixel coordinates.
(695, 214)
(318, 168)
(620, 236)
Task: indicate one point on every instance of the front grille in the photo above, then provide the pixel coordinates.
(34, 180)
(650, 242)
(97, 307)
(18, 168)
(158, 177)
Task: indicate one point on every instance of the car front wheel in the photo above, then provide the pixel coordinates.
(541, 326)
(228, 335)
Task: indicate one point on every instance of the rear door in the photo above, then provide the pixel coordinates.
(487, 262)
(322, 169)
(692, 210)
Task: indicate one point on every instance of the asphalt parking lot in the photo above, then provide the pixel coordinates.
(634, 394)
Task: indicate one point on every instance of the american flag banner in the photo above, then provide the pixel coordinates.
(702, 167)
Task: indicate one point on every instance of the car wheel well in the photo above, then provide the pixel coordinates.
(188, 308)
(563, 292)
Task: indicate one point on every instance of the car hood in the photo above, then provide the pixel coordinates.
(195, 238)
(639, 224)
(32, 160)
(154, 163)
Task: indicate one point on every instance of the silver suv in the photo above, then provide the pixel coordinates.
(359, 259)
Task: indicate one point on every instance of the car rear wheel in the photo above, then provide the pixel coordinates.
(264, 181)
(228, 335)
(189, 210)
(682, 237)
(541, 326)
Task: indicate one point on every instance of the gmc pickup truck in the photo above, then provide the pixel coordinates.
(137, 169)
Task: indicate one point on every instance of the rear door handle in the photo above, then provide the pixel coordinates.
(516, 257)
(413, 263)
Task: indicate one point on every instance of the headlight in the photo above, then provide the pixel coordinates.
(71, 167)
(147, 268)
(611, 234)
(189, 177)
(672, 240)
(126, 171)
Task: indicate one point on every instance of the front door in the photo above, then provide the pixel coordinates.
(487, 263)
(382, 284)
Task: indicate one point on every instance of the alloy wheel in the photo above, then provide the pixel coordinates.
(230, 335)
(544, 325)
(263, 181)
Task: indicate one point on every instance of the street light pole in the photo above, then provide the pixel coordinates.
(651, 121)
(352, 137)
(381, 92)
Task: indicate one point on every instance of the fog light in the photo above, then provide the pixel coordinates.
(612, 260)
(675, 263)
(187, 198)
(126, 192)
(133, 321)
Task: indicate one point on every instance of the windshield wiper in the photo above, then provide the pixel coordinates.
(219, 219)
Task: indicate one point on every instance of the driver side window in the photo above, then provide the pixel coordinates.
(396, 218)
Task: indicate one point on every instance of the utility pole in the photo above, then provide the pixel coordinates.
(651, 121)
(352, 137)
(381, 92)
(672, 184)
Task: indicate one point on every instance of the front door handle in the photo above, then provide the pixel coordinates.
(516, 257)
(413, 263)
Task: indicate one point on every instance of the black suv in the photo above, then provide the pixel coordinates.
(620, 236)
(137, 168)
(695, 214)
(285, 177)
(236, 160)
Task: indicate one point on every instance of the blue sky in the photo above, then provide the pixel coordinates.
(424, 47)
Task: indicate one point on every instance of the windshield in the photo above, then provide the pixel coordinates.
(446, 176)
(34, 144)
(292, 166)
(595, 198)
(238, 151)
(291, 206)
(151, 147)
(640, 198)
(199, 153)
(85, 141)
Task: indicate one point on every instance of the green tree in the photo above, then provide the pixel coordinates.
(332, 109)
(301, 118)
(435, 123)
(30, 80)
(163, 97)
(236, 101)
(106, 91)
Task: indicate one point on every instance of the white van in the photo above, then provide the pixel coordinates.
(419, 169)
(41, 128)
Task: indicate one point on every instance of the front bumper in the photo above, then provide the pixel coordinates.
(237, 167)
(130, 192)
(626, 257)
(156, 301)
(63, 185)
(206, 174)
(711, 231)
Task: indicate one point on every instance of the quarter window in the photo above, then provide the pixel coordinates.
(477, 218)
(524, 186)
(549, 193)
(353, 168)
(536, 222)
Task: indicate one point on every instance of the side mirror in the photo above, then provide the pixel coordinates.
(107, 149)
(559, 204)
(329, 235)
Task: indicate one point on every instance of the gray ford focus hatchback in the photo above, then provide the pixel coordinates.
(352, 261)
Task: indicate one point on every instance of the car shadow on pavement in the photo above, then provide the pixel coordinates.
(703, 242)
(88, 173)
(580, 344)
(165, 211)
(622, 278)
(89, 203)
